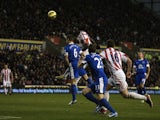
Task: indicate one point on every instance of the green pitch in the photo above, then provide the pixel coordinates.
(54, 107)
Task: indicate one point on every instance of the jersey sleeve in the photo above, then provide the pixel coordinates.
(134, 64)
(147, 63)
(65, 51)
(80, 51)
(124, 57)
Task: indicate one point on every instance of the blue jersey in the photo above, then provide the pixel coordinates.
(73, 52)
(95, 62)
(141, 66)
(141, 69)
(100, 80)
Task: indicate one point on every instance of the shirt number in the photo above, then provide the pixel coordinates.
(99, 63)
(75, 53)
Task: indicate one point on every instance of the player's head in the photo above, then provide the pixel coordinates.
(110, 43)
(84, 38)
(5, 66)
(70, 38)
(92, 48)
(140, 55)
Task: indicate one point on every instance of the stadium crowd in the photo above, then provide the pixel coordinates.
(41, 68)
(124, 20)
(33, 67)
(119, 20)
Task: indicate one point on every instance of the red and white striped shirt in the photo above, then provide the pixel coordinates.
(84, 37)
(114, 59)
(6, 74)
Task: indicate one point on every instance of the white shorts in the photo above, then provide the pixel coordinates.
(7, 84)
(118, 79)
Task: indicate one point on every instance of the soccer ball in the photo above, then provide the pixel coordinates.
(52, 14)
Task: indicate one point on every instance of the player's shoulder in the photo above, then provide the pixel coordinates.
(105, 51)
(66, 46)
(122, 53)
(146, 61)
(137, 61)
(91, 55)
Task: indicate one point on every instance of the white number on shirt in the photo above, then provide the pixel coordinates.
(75, 53)
(99, 64)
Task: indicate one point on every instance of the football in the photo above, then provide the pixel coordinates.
(52, 14)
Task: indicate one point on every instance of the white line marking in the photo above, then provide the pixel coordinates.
(9, 117)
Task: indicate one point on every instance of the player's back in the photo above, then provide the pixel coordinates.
(96, 64)
(73, 51)
(114, 59)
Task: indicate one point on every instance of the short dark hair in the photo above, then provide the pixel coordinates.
(92, 48)
(110, 43)
(70, 37)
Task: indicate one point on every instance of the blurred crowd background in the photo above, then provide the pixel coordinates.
(125, 21)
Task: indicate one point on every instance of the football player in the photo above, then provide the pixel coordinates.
(114, 59)
(100, 80)
(141, 69)
(7, 77)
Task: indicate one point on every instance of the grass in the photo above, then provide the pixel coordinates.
(54, 107)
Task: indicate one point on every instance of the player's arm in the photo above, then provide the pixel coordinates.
(82, 56)
(129, 67)
(134, 69)
(128, 61)
(66, 57)
(148, 71)
(67, 60)
(80, 62)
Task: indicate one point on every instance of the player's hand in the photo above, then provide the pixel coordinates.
(128, 74)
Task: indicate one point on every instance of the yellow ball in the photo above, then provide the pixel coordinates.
(52, 14)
